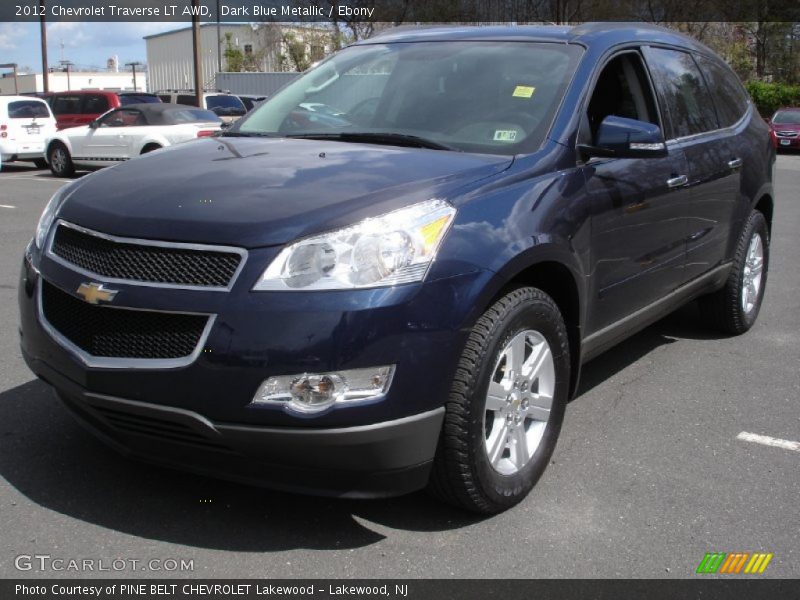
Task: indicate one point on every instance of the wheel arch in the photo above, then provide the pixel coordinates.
(560, 279)
(766, 206)
(57, 140)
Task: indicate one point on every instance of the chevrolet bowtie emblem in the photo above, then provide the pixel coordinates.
(94, 293)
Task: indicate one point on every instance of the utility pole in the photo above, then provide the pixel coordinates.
(198, 75)
(133, 66)
(219, 43)
(67, 64)
(43, 36)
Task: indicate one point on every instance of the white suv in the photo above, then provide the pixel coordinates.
(25, 125)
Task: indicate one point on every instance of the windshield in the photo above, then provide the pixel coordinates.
(494, 97)
(787, 117)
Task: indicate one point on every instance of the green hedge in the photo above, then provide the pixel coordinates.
(769, 97)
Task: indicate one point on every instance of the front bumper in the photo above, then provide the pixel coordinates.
(199, 417)
(383, 459)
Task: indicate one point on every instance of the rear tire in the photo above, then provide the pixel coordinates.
(60, 161)
(498, 434)
(40, 163)
(734, 309)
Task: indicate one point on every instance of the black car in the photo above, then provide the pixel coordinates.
(401, 294)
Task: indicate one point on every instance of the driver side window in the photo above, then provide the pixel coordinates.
(622, 90)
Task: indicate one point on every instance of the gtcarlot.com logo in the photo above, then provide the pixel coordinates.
(46, 562)
(734, 563)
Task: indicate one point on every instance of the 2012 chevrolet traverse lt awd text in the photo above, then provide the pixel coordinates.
(398, 291)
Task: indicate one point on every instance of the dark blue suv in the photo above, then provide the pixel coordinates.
(388, 275)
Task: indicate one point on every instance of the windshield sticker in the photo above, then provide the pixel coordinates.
(523, 91)
(505, 135)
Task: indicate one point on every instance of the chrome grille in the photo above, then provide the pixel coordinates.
(144, 261)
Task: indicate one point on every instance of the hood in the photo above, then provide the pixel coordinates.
(260, 191)
(785, 126)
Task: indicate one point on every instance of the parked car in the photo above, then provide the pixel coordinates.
(226, 106)
(403, 296)
(80, 107)
(250, 101)
(785, 128)
(25, 124)
(124, 133)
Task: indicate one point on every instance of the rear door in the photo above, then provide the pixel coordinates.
(712, 158)
(30, 123)
(638, 204)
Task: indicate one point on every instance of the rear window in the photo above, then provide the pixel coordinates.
(66, 105)
(188, 99)
(127, 99)
(95, 104)
(729, 96)
(683, 90)
(27, 109)
(224, 101)
(191, 116)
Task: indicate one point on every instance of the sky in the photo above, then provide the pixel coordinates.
(85, 44)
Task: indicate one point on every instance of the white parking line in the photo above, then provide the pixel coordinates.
(18, 177)
(7, 206)
(768, 441)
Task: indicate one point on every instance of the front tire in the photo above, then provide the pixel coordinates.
(60, 161)
(506, 405)
(734, 309)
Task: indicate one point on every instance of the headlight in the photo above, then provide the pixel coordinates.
(48, 215)
(395, 248)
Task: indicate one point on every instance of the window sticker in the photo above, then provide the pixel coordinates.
(523, 91)
(505, 135)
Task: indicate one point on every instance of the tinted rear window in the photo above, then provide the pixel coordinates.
(127, 99)
(27, 109)
(95, 104)
(190, 116)
(188, 99)
(730, 99)
(683, 91)
(66, 105)
(224, 101)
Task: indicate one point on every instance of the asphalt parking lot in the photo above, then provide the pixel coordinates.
(648, 475)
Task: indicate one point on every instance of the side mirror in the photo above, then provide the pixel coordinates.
(94, 124)
(618, 137)
(767, 120)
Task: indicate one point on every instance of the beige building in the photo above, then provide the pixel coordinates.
(264, 47)
(77, 80)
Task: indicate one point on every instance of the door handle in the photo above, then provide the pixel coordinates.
(677, 181)
(735, 163)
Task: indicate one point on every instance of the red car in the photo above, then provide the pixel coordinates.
(785, 128)
(81, 107)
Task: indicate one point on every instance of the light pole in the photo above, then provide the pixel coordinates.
(219, 42)
(43, 36)
(133, 66)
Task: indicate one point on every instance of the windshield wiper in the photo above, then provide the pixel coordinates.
(370, 137)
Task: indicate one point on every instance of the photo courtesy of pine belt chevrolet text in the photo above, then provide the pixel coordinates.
(387, 276)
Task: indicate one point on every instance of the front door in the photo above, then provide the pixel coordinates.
(638, 205)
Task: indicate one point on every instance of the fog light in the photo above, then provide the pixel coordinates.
(314, 392)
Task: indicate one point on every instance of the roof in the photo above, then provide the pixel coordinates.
(588, 34)
(157, 113)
